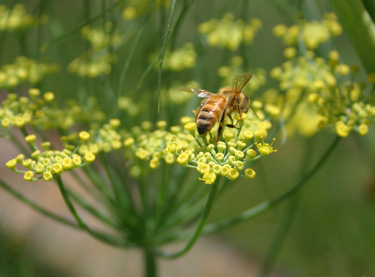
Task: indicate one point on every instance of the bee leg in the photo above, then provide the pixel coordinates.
(232, 125)
(238, 106)
(221, 126)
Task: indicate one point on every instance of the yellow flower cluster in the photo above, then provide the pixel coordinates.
(17, 18)
(160, 144)
(346, 109)
(309, 73)
(46, 163)
(228, 32)
(103, 139)
(135, 8)
(101, 38)
(39, 110)
(92, 65)
(181, 58)
(127, 105)
(227, 158)
(99, 59)
(227, 72)
(312, 33)
(24, 70)
(18, 111)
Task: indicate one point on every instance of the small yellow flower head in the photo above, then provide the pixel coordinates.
(46, 145)
(154, 163)
(233, 174)
(30, 139)
(29, 176)
(190, 126)
(35, 154)
(239, 165)
(225, 170)
(341, 129)
(169, 158)
(49, 96)
(250, 173)
(208, 178)
(250, 154)
(47, 176)
(34, 92)
(11, 164)
(76, 159)
(39, 168)
(203, 168)
(266, 148)
(67, 163)
(290, 52)
(129, 142)
(84, 136)
(57, 168)
(183, 159)
(219, 157)
(89, 157)
(260, 134)
(27, 163)
(161, 124)
(185, 120)
(363, 129)
(114, 122)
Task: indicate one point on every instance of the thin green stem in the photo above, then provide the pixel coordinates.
(150, 263)
(100, 236)
(36, 207)
(163, 51)
(198, 230)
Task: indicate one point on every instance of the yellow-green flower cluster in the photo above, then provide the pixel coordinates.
(127, 105)
(346, 109)
(309, 73)
(228, 158)
(228, 72)
(135, 8)
(92, 65)
(17, 18)
(228, 32)
(19, 111)
(47, 163)
(101, 139)
(40, 110)
(24, 70)
(158, 145)
(101, 38)
(312, 33)
(181, 58)
(99, 58)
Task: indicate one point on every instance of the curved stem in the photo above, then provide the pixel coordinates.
(99, 236)
(36, 207)
(265, 206)
(198, 229)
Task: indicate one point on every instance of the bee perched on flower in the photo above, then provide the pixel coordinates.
(216, 107)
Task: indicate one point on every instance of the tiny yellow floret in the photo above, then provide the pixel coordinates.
(84, 136)
(30, 138)
(47, 176)
(49, 96)
(250, 173)
(29, 176)
(11, 164)
(89, 157)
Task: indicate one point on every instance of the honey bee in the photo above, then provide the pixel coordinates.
(217, 106)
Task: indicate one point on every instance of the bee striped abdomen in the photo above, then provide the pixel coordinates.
(210, 113)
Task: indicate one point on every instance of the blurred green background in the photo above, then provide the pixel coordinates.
(329, 225)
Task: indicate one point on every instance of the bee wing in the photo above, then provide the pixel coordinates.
(240, 81)
(199, 92)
